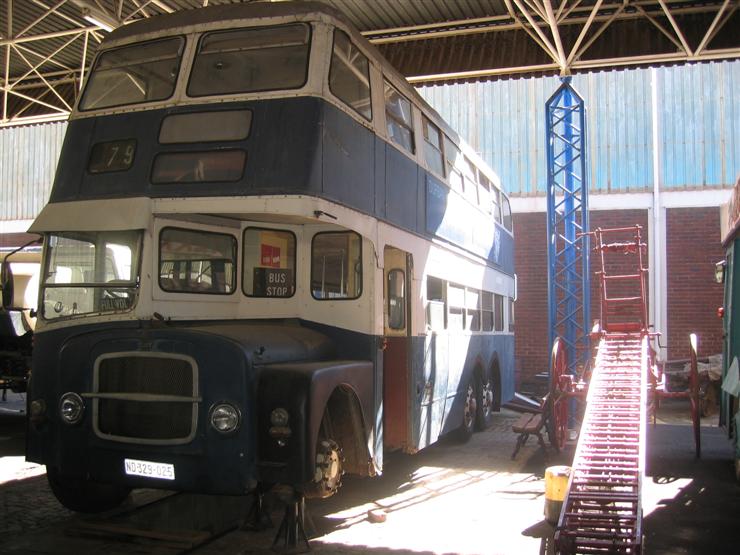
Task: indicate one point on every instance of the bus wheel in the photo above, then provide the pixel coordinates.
(329, 470)
(484, 401)
(467, 426)
(84, 496)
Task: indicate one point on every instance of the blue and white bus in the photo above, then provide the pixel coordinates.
(266, 260)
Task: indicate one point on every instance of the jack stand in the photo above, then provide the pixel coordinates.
(291, 529)
(258, 517)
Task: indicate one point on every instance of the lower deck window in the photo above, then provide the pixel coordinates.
(269, 263)
(196, 261)
(336, 265)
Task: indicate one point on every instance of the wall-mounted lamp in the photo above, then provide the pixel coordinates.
(719, 271)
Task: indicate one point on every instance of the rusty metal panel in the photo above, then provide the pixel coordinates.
(28, 160)
(698, 111)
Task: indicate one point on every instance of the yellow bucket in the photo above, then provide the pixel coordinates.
(556, 486)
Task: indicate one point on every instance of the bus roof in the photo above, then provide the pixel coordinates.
(239, 14)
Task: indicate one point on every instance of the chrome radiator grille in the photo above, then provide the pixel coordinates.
(145, 397)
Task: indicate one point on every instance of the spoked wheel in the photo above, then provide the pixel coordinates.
(467, 426)
(557, 421)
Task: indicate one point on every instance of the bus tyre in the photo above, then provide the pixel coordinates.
(84, 496)
(484, 401)
(467, 426)
(329, 470)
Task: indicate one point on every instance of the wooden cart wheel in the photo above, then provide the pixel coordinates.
(557, 428)
(694, 396)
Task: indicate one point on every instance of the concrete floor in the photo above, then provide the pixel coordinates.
(450, 498)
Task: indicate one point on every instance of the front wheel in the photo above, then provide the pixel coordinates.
(329, 461)
(84, 496)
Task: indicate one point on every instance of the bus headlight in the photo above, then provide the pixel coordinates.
(71, 408)
(225, 418)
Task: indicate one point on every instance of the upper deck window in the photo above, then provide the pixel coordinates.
(398, 118)
(251, 60)
(433, 147)
(452, 153)
(349, 75)
(506, 213)
(134, 74)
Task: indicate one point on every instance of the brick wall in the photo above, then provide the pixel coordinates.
(693, 247)
(530, 259)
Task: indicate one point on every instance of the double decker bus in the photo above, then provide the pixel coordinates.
(266, 260)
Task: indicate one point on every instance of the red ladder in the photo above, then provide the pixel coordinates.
(602, 510)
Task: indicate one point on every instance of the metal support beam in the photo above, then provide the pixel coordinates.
(569, 284)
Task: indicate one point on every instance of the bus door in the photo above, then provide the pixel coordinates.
(396, 357)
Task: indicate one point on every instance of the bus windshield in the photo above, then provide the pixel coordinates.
(134, 74)
(90, 272)
(251, 60)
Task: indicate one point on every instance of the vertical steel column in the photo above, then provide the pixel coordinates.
(569, 285)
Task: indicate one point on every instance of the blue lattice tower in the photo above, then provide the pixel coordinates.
(567, 224)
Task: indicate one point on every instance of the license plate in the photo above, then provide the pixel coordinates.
(148, 469)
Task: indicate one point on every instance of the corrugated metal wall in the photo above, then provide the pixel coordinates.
(699, 126)
(28, 160)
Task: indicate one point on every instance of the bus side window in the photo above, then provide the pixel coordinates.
(453, 174)
(498, 312)
(433, 147)
(398, 119)
(349, 75)
(511, 314)
(506, 213)
(436, 304)
(473, 305)
(336, 265)
(396, 299)
(487, 311)
(456, 307)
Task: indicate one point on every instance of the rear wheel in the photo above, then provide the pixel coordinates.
(467, 426)
(484, 395)
(84, 496)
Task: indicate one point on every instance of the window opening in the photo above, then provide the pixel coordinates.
(433, 147)
(398, 119)
(336, 265)
(196, 261)
(396, 299)
(269, 263)
(251, 60)
(349, 75)
(134, 74)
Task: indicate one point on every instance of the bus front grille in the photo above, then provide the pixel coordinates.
(145, 398)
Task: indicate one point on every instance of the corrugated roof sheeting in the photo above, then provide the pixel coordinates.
(699, 126)
(28, 160)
